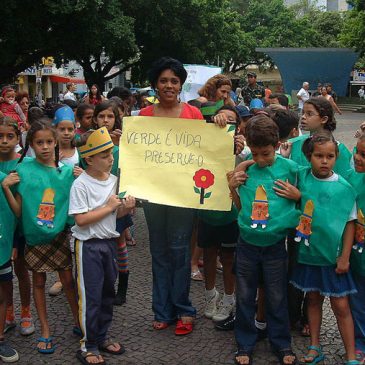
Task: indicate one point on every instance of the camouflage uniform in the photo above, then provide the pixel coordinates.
(257, 92)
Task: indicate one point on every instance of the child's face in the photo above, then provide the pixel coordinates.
(9, 97)
(43, 144)
(65, 132)
(106, 119)
(323, 159)
(311, 121)
(101, 162)
(231, 116)
(8, 139)
(359, 156)
(264, 156)
(86, 120)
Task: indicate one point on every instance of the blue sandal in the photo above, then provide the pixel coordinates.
(47, 341)
(352, 362)
(315, 358)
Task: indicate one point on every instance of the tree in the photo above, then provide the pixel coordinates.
(267, 24)
(353, 31)
(193, 31)
(21, 42)
(97, 34)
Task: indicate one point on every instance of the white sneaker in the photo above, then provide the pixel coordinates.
(211, 306)
(223, 311)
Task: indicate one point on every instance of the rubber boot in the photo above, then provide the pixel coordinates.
(121, 295)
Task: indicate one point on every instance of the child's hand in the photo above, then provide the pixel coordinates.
(360, 130)
(129, 202)
(287, 190)
(220, 120)
(237, 178)
(285, 149)
(115, 136)
(77, 171)
(343, 266)
(12, 179)
(114, 202)
(239, 142)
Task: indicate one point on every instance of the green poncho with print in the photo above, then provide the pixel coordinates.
(265, 217)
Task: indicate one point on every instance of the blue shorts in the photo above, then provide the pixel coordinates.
(6, 272)
(123, 223)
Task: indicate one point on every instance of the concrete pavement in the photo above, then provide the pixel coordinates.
(132, 322)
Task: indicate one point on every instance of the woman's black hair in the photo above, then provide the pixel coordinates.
(121, 92)
(40, 125)
(34, 114)
(166, 63)
(10, 122)
(324, 109)
(106, 105)
(98, 93)
(318, 138)
(232, 109)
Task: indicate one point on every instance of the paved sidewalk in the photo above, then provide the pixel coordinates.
(132, 322)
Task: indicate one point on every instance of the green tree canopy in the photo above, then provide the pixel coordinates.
(100, 34)
(353, 31)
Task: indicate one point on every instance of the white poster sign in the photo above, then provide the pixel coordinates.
(197, 77)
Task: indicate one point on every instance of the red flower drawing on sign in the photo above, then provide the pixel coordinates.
(203, 180)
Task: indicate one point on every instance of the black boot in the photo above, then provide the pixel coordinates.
(121, 295)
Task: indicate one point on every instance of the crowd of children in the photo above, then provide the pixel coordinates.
(297, 225)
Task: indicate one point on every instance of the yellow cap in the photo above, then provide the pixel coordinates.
(308, 208)
(261, 194)
(97, 142)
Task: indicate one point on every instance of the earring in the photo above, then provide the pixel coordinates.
(178, 97)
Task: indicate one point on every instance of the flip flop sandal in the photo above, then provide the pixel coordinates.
(183, 329)
(315, 358)
(82, 356)
(159, 325)
(196, 276)
(47, 341)
(281, 354)
(107, 343)
(360, 356)
(352, 362)
(243, 353)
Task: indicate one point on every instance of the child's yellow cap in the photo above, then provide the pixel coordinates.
(97, 142)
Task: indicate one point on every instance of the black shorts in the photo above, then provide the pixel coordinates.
(225, 236)
(6, 272)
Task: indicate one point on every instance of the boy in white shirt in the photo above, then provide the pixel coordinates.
(95, 207)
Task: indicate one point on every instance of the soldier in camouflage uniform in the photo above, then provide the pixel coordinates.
(252, 90)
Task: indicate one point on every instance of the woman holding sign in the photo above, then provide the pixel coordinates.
(170, 228)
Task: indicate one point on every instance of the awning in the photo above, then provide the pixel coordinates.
(65, 80)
